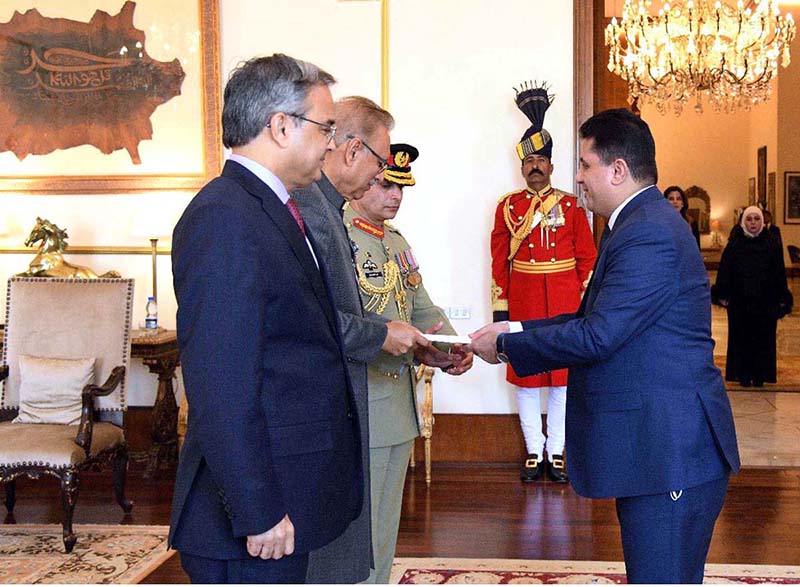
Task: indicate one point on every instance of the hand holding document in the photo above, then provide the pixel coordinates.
(456, 361)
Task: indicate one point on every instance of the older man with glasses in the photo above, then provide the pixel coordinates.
(359, 158)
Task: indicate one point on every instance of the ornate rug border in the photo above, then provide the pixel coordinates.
(403, 564)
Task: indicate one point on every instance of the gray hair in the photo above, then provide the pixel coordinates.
(359, 116)
(262, 86)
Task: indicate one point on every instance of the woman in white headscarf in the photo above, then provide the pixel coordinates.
(751, 284)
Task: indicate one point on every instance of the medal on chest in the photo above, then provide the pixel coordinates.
(409, 268)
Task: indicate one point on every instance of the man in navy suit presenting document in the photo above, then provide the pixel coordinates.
(648, 419)
(271, 465)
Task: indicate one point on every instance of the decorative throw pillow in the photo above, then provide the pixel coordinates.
(50, 389)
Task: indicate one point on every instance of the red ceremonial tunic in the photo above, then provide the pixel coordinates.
(550, 268)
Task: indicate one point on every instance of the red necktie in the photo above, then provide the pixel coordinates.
(295, 212)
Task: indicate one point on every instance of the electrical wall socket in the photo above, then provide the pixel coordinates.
(458, 312)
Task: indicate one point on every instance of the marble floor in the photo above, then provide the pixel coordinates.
(768, 421)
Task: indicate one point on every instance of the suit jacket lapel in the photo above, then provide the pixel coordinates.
(648, 195)
(281, 217)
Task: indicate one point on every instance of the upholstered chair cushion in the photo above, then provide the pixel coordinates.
(50, 389)
(50, 444)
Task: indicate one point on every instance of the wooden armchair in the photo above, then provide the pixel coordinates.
(61, 337)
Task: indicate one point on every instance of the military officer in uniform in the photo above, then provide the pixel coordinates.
(390, 284)
(542, 257)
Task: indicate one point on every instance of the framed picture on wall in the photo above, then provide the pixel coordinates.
(761, 186)
(791, 195)
(771, 192)
(751, 191)
(104, 96)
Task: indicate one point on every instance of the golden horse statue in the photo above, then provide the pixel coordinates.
(49, 262)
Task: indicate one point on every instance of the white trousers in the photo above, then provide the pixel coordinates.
(530, 417)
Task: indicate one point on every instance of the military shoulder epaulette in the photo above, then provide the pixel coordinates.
(504, 197)
(390, 227)
(368, 227)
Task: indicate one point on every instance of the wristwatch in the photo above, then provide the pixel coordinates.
(501, 347)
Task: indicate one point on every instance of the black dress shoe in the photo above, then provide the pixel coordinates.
(532, 469)
(557, 470)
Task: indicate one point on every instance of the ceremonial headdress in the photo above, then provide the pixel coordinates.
(534, 101)
(399, 169)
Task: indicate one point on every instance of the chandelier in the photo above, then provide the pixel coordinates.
(690, 49)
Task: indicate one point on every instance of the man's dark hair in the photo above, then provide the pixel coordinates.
(262, 86)
(620, 134)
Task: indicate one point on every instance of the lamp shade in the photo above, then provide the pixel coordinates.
(716, 225)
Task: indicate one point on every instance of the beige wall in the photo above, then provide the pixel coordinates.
(709, 150)
(788, 132)
(453, 65)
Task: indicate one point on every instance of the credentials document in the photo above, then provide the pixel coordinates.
(448, 338)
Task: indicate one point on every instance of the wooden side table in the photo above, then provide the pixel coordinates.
(159, 352)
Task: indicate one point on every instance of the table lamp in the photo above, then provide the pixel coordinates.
(152, 227)
(716, 227)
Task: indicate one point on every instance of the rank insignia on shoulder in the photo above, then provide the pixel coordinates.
(368, 227)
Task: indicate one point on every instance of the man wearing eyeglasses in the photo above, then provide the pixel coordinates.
(272, 439)
(359, 158)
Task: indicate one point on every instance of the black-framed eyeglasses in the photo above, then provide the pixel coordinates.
(381, 161)
(328, 129)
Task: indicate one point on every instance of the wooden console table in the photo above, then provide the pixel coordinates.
(159, 353)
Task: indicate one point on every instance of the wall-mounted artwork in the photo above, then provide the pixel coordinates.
(108, 95)
(751, 191)
(761, 186)
(791, 195)
(699, 207)
(771, 192)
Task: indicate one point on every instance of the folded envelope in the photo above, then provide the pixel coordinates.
(448, 338)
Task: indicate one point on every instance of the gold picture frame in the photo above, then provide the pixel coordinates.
(184, 151)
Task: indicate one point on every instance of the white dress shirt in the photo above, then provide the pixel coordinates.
(273, 182)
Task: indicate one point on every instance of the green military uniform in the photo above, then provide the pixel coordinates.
(391, 285)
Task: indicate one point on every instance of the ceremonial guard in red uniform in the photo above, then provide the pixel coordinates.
(542, 257)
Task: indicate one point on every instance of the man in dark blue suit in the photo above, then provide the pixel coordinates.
(271, 464)
(648, 419)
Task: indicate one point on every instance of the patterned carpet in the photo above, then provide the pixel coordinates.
(103, 554)
(436, 571)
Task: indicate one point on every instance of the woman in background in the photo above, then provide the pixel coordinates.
(751, 284)
(677, 197)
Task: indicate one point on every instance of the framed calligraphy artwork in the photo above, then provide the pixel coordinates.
(108, 96)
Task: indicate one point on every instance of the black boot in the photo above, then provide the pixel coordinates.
(532, 468)
(557, 470)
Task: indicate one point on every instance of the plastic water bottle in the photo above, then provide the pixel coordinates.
(151, 319)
